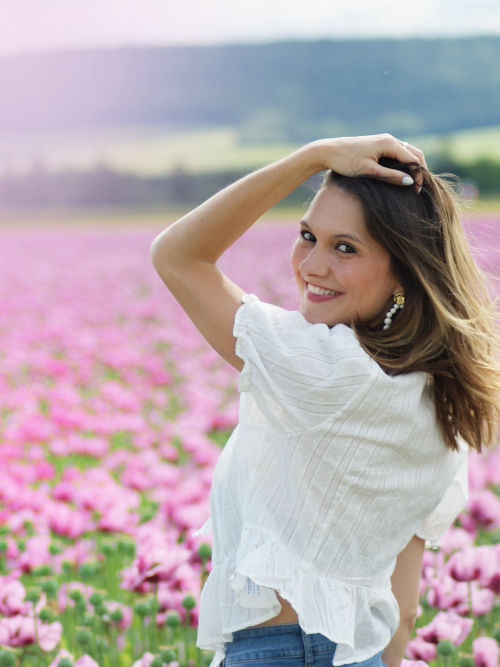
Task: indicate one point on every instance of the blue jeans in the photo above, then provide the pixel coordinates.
(285, 646)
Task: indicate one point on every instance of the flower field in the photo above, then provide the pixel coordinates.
(113, 413)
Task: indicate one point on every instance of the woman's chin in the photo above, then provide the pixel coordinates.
(317, 317)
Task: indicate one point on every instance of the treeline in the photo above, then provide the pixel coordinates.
(102, 186)
(293, 91)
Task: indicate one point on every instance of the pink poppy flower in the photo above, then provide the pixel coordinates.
(479, 563)
(63, 653)
(155, 562)
(12, 598)
(486, 652)
(446, 625)
(86, 661)
(49, 635)
(419, 649)
(145, 661)
(484, 507)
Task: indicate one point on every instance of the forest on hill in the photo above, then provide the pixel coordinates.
(268, 93)
(285, 90)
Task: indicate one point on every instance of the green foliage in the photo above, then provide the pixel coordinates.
(282, 91)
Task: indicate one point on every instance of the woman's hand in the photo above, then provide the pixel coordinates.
(359, 156)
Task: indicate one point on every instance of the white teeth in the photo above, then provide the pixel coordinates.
(320, 290)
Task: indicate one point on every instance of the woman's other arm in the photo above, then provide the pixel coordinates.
(405, 586)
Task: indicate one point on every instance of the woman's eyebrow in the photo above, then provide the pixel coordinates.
(336, 236)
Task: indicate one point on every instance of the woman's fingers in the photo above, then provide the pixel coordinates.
(393, 176)
(360, 156)
(403, 152)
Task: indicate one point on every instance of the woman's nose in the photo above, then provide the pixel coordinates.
(315, 264)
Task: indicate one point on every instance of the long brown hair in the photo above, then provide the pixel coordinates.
(447, 326)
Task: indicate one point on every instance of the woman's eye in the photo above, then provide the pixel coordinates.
(345, 247)
(307, 236)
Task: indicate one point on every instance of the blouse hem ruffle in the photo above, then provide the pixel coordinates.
(328, 606)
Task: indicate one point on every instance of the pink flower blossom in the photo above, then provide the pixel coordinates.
(12, 598)
(486, 652)
(145, 661)
(86, 661)
(471, 563)
(446, 625)
(484, 508)
(155, 562)
(49, 635)
(419, 649)
(63, 653)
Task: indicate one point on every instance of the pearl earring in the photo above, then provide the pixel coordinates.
(399, 301)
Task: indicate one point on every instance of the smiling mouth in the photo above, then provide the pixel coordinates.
(320, 291)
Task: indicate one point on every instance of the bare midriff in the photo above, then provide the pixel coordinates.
(286, 615)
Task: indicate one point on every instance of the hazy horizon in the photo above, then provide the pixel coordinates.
(32, 27)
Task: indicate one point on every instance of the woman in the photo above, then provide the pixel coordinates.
(354, 411)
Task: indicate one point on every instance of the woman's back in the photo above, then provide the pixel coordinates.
(333, 467)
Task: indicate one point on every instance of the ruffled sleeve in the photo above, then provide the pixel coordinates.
(433, 526)
(298, 373)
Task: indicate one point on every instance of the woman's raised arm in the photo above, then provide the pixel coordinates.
(185, 253)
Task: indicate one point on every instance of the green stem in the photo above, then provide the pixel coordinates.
(144, 633)
(153, 631)
(186, 634)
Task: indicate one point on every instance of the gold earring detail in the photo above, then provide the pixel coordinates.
(399, 302)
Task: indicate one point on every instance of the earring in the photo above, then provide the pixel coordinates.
(399, 302)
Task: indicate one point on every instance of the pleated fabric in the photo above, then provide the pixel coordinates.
(332, 469)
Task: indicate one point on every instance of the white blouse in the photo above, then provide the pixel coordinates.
(333, 467)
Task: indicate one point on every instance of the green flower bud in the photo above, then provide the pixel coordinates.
(188, 602)
(54, 549)
(3, 547)
(32, 596)
(7, 658)
(445, 648)
(83, 637)
(49, 587)
(64, 662)
(205, 551)
(141, 609)
(42, 571)
(46, 616)
(87, 570)
(76, 595)
(67, 567)
(464, 661)
(100, 610)
(168, 655)
(96, 599)
(173, 619)
(107, 549)
(156, 662)
(116, 615)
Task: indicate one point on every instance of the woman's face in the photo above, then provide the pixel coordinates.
(342, 273)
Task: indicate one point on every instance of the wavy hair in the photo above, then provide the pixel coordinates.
(447, 327)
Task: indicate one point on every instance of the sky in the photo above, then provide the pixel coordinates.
(40, 25)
